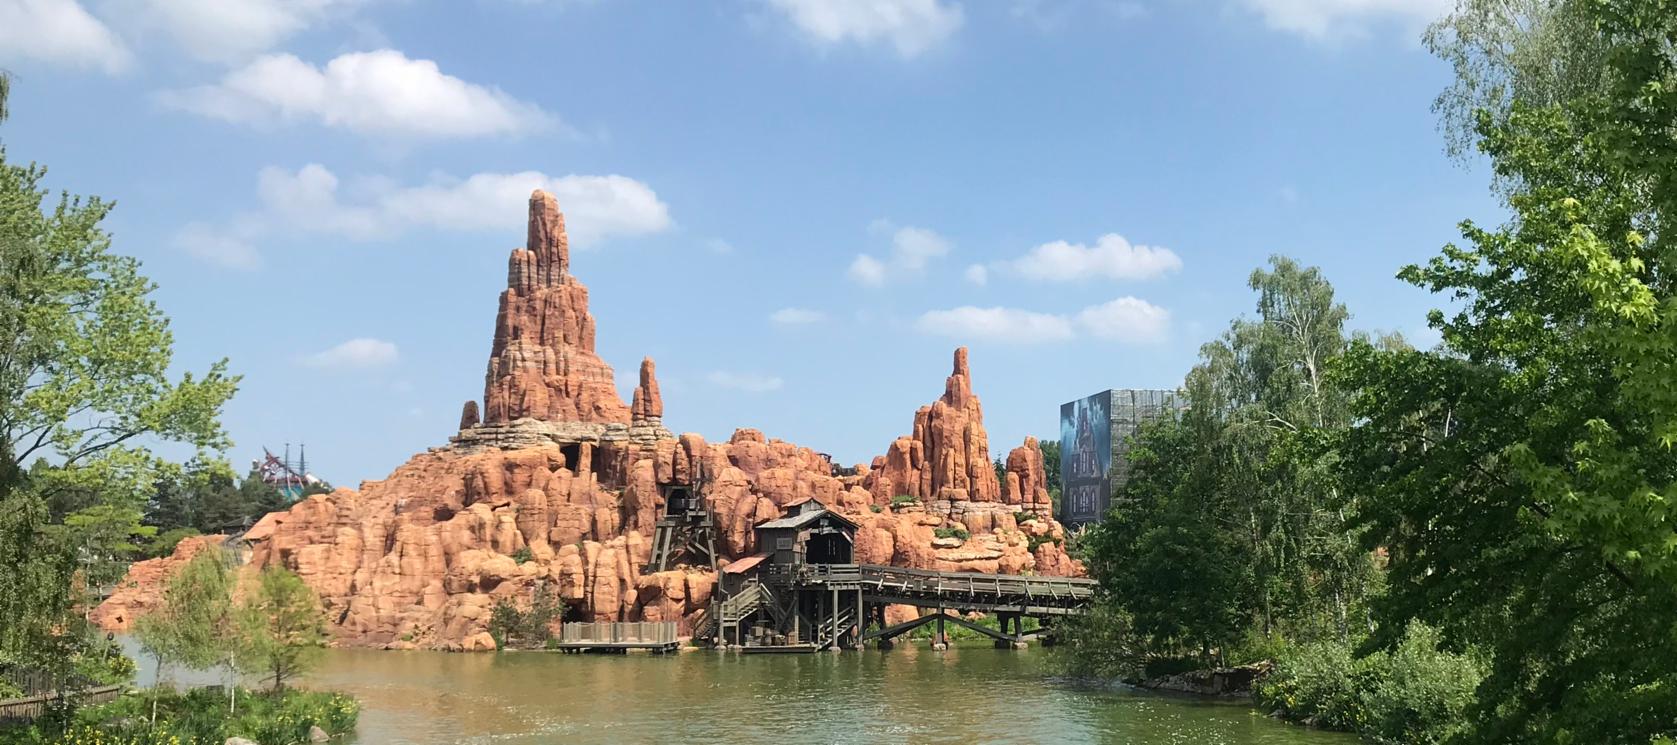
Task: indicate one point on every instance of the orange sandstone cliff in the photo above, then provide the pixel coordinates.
(557, 484)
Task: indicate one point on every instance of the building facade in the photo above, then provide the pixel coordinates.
(1095, 433)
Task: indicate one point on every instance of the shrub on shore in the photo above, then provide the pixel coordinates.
(1414, 693)
(199, 717)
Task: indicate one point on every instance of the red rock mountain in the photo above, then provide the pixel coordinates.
(560, 473)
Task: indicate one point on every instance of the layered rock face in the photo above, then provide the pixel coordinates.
(543, 365)
(947, 457)
(142, 589)
(558, 486)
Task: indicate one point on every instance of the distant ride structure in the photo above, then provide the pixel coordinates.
(291, 478)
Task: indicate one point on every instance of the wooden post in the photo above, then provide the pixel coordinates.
(939, 640)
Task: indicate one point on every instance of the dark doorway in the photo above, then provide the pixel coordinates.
(828, 548)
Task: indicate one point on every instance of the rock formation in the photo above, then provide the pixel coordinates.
(142, 589)
(1027, 482)
(947, 458)
(542, 365)
(558, 486)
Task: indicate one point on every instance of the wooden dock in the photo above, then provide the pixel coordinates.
(657, 637)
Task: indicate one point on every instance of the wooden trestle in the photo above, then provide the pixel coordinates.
(811, 607)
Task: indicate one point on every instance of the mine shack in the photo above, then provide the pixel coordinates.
(808, 534)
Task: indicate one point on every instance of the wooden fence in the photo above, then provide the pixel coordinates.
(29, 708)
(632, 632)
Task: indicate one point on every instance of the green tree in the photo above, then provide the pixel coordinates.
(1539, 52)
(84, 386)
(1051, 470)
(193, 627)
(1233, 515)
(1521, 479)
(281, 627)
(107, 537)
(1180, 577)
(35, 589)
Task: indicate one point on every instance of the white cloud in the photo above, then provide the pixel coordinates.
(310, 199)
(1126, 319)
(1328, 19)
(719, 246)
(867, 270)
(220, 247)
(996, 324)
(372, 93)
(797, 316)
(595, 207)
(748, 382)
(229, 29)
(910, 26)
(60, 32)
(911, 249)
(978, 275)
(1111, 257)
(354, 354)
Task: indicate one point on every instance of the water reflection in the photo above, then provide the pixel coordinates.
(966, 695)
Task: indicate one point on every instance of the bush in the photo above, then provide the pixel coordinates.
(876, 508)
(1415, 693)
(1422, 692)
(903, 500)
(523, 555)
(1099, 644)
(164, 544)
(1256, 646)
(200, 717)
(1024, 516)
(1032, 542)
(1320, 684)
(512, 626)
(955, 532)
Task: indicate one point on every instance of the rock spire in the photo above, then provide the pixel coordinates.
(947, 458)
(543, 365)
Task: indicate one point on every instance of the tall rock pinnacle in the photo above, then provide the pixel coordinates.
(948, 455)
(543, 365)
(648, 404)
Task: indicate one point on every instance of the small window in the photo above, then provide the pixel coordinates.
(783, 543)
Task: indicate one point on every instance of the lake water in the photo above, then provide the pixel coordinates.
(970, 694)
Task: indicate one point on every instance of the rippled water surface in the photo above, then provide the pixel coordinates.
(910, 694)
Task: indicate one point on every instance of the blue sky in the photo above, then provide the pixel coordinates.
(798, 207)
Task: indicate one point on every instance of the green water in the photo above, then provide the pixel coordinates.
(910, 694)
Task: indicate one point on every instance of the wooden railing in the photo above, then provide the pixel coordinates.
(628, 632)
(1047, 591)
(29, 708)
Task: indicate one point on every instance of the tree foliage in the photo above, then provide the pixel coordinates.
(84, 353)
(1538, 52)
(1522, 478)
(84, 389)
(1232, 516)
(281, 627)
(193, 626)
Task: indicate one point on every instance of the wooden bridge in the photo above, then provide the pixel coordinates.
(804, 593)
(812, 607)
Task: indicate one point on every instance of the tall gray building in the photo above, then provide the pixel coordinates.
(1095, 444)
